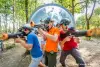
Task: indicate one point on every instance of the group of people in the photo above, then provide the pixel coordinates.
(52, 37)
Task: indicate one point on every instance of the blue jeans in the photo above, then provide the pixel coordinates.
(35, 62)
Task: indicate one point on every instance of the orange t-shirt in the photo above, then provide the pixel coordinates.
(50, 44)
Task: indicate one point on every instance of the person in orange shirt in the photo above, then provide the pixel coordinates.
(51, 46)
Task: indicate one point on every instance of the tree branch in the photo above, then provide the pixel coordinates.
(86, 10)
(79, 3)
(92, 9)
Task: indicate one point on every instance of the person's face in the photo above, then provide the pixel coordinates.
(26, 31)
(50, 24)
(65, 27)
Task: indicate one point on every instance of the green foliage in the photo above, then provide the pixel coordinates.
(81, 23)
(78, 6)
(10, 46)
(95, 22)
(97, 11)
(68, 4)
(5, 6)
(20, 11)
(15, 11)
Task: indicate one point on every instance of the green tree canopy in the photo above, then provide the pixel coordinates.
(97, 11)
(68, 4)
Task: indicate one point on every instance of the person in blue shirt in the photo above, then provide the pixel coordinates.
(32, 44)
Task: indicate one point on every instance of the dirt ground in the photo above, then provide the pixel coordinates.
(90, 51)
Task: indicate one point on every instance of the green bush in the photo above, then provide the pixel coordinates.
(10, 46)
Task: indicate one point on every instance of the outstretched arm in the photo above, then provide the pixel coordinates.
(24, 44)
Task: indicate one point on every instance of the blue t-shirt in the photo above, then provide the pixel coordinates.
(36, 50)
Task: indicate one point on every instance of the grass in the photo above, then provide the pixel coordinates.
(10, 46)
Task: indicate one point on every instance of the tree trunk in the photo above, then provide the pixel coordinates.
(5, 23)
(13, 15)
(26, 10)
(35, 4)
(0, 25)
(88, 18)
(73, 8)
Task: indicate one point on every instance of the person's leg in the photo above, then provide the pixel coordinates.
(52, 59)
(46, 58)
(41, 64)
(35, 62)
(75, 53)
(63, 57)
